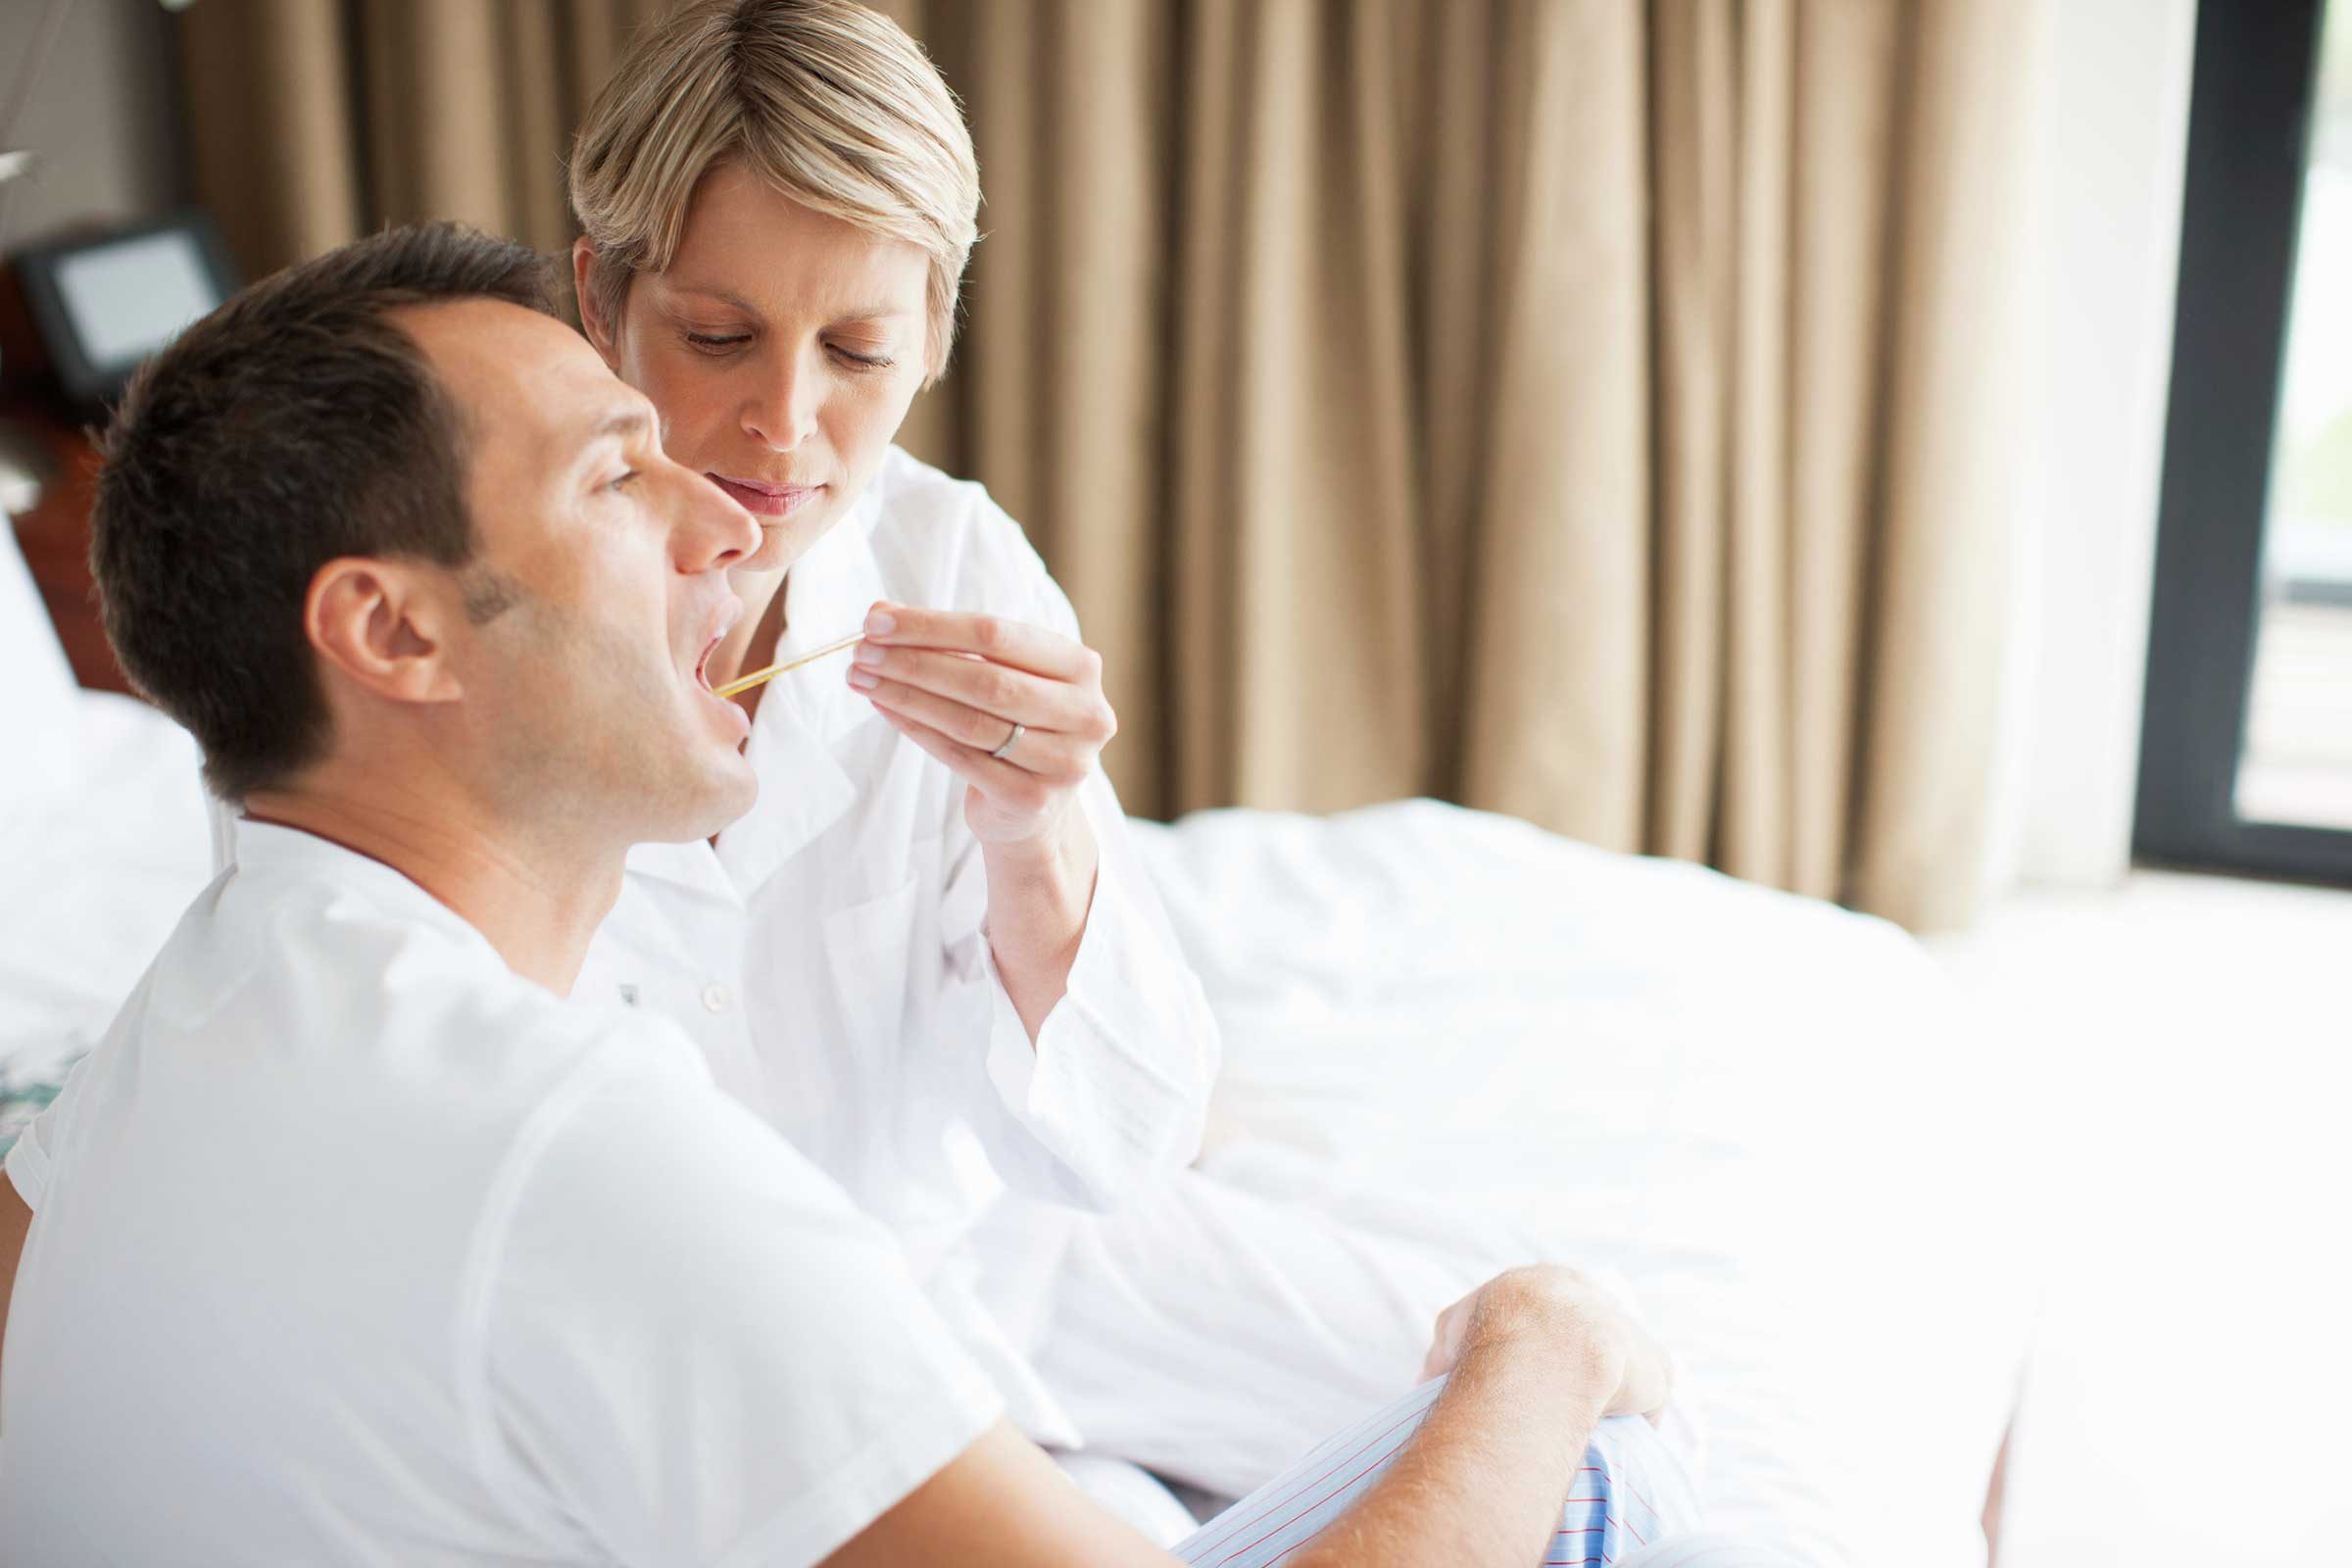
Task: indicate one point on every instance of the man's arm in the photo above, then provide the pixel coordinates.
(16, 1219)
(1542, 1357)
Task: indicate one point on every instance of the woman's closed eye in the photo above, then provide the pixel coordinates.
(861, 361)
(718, 343)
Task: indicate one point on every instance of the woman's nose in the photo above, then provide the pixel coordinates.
(784, 415)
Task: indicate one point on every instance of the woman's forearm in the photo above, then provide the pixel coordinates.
(1039, 896)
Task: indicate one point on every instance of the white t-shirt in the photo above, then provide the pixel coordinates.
(354, 1246)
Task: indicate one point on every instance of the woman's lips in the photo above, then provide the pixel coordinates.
(767, 500)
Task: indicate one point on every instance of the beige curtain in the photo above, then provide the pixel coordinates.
(1594, 411)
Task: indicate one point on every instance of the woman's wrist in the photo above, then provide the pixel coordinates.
(1040, 894)
(1056, 867)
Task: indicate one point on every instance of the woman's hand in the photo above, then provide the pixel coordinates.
(957, 683)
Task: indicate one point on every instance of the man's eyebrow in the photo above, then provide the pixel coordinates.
(625, 422)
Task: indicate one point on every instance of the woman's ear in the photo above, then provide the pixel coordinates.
(600, 333)
(381, 626)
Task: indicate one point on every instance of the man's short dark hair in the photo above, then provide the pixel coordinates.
(295, 424)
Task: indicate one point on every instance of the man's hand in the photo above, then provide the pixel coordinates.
(1628, 1367)
(957, 684)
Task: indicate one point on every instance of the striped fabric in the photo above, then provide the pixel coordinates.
(1630, 1503)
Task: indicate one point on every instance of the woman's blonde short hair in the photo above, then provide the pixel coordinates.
(829, 102)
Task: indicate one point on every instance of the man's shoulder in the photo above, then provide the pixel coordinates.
(302, 982)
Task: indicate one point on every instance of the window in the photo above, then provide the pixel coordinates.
(2246, 754)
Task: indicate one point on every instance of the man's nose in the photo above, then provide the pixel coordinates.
(711, 532)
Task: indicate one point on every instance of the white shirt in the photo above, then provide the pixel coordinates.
(353, 1247)
(829, 959)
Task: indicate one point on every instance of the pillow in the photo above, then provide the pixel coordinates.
(39, 703)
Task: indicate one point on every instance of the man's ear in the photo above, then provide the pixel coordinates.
(600, 333)
(384, 626)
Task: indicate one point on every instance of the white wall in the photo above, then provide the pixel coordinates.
(101, 117)
(2113, 111)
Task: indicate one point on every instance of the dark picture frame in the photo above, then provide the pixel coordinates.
(87, 383)
(2250, 100)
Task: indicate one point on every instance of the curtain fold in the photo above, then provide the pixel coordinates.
(1595, 410)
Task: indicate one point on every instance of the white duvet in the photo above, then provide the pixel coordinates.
(1759, 1110)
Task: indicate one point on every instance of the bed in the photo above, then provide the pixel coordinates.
(1760, 1110)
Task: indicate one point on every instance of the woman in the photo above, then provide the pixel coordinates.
(928, 955)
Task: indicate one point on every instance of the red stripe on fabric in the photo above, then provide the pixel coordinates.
(1310, 1507)
(1266, 1508)
(1589, 1470)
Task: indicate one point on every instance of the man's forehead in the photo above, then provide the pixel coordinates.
(514, 369)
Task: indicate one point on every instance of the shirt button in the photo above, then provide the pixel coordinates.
(715, 997)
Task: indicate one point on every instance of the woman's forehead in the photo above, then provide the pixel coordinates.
(749, 246)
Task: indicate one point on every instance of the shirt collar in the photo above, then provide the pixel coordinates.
(265, 850)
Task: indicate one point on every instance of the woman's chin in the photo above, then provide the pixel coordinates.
(789, 539)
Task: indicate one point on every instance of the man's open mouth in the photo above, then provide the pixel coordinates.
(722, 621)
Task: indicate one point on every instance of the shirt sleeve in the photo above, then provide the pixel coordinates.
(30, 1156)
(29, 1162)
(694, 1348)
(1115, 1091)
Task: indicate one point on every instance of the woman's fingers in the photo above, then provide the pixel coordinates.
(955, 683)
(1014, 644)
(1014, 789)
(1050, 753)
(1015, 695)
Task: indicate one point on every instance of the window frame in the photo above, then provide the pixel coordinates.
(2254, 74)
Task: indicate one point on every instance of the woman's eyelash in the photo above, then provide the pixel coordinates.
(623, 480)
(716, 343)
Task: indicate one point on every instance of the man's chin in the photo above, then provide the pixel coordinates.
(734, 798)
(715, 803)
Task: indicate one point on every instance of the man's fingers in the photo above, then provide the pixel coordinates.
(1444, 1341)
(995, 638)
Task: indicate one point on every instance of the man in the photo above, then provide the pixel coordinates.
(353, 1242)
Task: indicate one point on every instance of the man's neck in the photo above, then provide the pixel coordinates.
(537, 907)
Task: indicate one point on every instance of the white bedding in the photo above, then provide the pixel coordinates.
(1759, 1110)
(95, 876)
